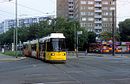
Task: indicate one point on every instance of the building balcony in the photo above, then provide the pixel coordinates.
(97, 21)
(98, 27)
(71, 8)
(98, 5)
(97, 16)
(70, 4)
(98, 0)
(98, 10)
(71, 16)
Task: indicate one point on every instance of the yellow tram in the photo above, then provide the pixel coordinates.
(50, 48)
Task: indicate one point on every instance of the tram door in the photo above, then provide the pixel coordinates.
(42, 50)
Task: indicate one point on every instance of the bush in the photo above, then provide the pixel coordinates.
(13, 53)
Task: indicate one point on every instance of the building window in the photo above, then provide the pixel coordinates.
(70, 6)
(83, 13)
(83, 2)
(105, 2)
(98, 25)
(98, 3)
(90, 8)
(90, 13)
(97, 8)
(105, 19)
(90, 25)
(70, 2)
(104, 8)
(110, 19)
(90, 19)
(71, 11)
(105, 25)
(83, 24)
(105, 13)
(98, 14)
(112, 8)
(83, 18)
(90, 2)
(71, 15)
(112, 2)
(98, 30)
(110, 13)
(82, 7)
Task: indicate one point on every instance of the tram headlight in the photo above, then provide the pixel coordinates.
(52, 54)
(64, 54)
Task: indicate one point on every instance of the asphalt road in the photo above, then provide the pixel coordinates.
(82, 70)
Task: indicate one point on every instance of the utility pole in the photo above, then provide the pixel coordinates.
(113, 33)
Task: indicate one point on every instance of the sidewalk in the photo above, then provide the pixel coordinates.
(10, 58)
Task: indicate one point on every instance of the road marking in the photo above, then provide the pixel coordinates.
(62, 82)
(12, 59)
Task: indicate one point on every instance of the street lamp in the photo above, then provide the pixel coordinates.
(16, 29)
(113, 28)
(113, 34)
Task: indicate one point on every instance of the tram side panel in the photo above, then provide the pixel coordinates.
(27, 50)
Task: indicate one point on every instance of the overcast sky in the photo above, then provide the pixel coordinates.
(30, 8)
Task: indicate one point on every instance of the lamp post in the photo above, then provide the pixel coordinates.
(113, 34)
(113, 28)
(75, 36)
(16, 29)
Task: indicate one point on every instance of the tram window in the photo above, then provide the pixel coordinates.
(49, 46)
(48, 40)
(62, 44)
(34, 47)
(56, 45)
(24, 46)
(42, 47)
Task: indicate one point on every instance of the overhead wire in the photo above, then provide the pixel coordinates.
(24, 6)
(36, 10)
(33, 9)
(5, 12)
(53, 1)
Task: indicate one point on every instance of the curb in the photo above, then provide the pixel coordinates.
(12, 59)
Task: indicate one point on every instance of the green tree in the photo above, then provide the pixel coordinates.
(7, 38)
(91, 37)
(43, 28)
(106, 36)
(124, 28)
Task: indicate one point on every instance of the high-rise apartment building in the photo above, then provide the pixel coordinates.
(93, 15)
(65, 8)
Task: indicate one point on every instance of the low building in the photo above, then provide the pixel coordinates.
(11, 23)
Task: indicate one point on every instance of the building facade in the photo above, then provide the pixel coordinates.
(65, 8)
(11, 23)
(93, 15)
